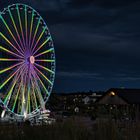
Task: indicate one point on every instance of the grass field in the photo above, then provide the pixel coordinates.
(71, 129)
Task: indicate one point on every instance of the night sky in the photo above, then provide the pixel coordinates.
(97, 42)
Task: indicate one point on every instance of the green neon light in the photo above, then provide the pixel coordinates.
(17, 94)
(45, 60)
(6, 50)
(31, 27)
(16, 98)
(45, 68)
(29, 103)
(44, 76)
(39, 38)
(9, 32)
(26, 23)
(19, 18)
(8, 80)
(35, 31)
(39, 92)
(6, 59)
(15, 27)
(3, 36)
(10, 92)
(27, 107)
(43, 85)
(34, 94)
(43, 44)
(47, 51)
(9, 68)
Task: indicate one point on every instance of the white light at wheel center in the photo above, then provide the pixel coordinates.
(32, 59)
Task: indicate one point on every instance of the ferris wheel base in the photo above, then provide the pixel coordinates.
(36, 118)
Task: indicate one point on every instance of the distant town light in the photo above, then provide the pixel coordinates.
(112, 93)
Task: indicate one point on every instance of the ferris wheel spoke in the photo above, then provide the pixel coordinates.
(39, 38)
(10, 52)
(26, 23)
(47, 51)
(13, 21)
(25, 105)
(31, 27)
(34, 96)
(23, 93)
(45, 60)
(35, 33)
(13, 108)
(18, 104)
(9, 94)
(46, 41)
(39, 95)
(9, 30)
(42, 84)
(10, 68)
(19, 18)
(8, 97)
(47, 69)
(43, 75)
(18, 91)
(8, 79)
(28, 109)
(7, 40)
(7, 59)
(29, 103)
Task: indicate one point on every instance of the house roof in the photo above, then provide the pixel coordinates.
(131, 96)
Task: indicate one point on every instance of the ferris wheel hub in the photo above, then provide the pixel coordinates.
(32, 59)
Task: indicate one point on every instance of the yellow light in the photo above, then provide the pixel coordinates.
(112, 93)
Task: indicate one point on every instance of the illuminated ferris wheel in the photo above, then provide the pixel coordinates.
(27, 60)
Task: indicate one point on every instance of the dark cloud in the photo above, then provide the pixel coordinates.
(100, 40)
(104, 3)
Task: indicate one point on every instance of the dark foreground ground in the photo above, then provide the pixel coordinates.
(73, 129)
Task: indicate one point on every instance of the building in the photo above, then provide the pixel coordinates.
(121, 96)
(120, 103)
(68, 102)
(91, 98)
